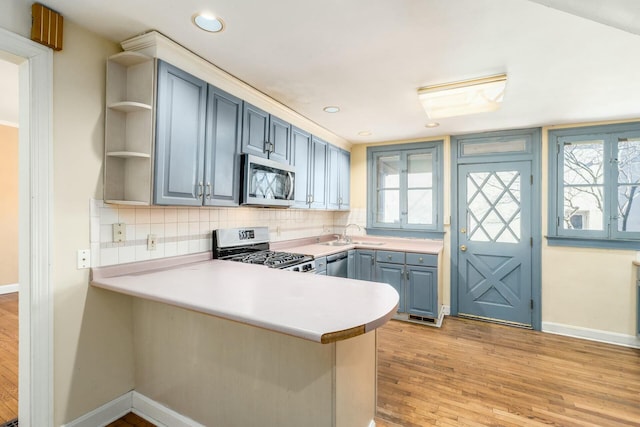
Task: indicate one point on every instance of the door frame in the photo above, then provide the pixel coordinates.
(532, 153)
(35, 375)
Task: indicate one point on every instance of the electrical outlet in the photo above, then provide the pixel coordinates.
(119, 232)
(84, 258)
(152, 240)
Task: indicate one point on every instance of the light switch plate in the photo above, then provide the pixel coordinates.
(119, 232)
(84, 258)
(152, 240)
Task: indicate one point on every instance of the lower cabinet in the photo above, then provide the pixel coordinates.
(414, 276)
(422, 291)
(321, 265)
(392, 274)
(364, 262)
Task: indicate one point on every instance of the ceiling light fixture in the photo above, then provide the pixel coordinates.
(365, 133)
(432, 125)
(463, 97)
(208, 22)
(331, 109)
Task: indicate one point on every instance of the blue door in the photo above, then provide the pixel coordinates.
(494, 241)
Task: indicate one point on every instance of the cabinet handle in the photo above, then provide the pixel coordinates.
(406, 272)
(200, 188)
(209, 189)
(389, 257)
(420, 259)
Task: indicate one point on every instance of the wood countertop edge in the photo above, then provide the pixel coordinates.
(330, 337)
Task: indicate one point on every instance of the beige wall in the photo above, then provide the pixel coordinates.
(8, 205)
(583, 287)
(93, 358)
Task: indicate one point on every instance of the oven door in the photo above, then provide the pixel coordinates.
(267, 183)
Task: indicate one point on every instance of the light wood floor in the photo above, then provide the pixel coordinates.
(8, 357)
(472, 373)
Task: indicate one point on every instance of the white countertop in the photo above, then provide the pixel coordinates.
(308, 247)
(317, 308)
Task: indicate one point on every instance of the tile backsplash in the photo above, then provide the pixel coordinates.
(182, 230)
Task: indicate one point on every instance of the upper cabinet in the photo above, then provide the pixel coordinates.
(339, 170)
(309, 156)
(198, 130)
(129, 129)
(265, 135)
(180, 136)
(191, 157)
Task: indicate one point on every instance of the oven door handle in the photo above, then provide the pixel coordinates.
(291, 186)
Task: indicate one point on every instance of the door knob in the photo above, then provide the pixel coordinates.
(463, 248)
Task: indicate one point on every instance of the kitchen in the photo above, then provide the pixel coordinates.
(570, 276)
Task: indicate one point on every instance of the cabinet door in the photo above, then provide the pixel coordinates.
(422, 291)
(280, 139)
(222, 161)
(180, 137)
(392, 274)
(351, 266)
(318, 186)
(364, 263)
(333, 195)
(300, 157)
(344, 177)
(255, 131)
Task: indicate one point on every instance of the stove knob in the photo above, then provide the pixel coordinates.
(296, 269)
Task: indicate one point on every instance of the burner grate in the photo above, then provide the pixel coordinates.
(10, 423)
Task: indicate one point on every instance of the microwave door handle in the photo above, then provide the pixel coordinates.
(291, 185)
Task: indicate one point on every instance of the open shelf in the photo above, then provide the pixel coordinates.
(128, 154)
(128, 59)
(127, 202)
(129, 106)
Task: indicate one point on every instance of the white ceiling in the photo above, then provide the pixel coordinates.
(567, 61)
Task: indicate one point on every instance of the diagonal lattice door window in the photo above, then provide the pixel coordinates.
(493, 206)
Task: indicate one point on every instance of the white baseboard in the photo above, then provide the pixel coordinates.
(106, 414)
(159, 414)
(9, 289)
(591, 334)
(140, 405)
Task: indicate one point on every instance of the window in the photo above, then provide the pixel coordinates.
(595, 186)
(405, 188)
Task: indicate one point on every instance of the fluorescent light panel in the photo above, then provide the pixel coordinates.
(464, 97)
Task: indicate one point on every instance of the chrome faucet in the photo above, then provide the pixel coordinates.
(344, 233)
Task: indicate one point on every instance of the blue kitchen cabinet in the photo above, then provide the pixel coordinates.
(309, 156)
(222, 147)
(393, 274)
(180, 137)
(351, 264)
(364, 262)
(338, 178)
(422, 291)
(264, 135)
(321, 265)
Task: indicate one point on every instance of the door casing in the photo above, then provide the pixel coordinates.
(533, 153)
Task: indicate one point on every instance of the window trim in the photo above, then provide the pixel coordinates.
(609, 237)
(434, 230)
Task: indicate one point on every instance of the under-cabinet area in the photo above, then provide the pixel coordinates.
(175, 139)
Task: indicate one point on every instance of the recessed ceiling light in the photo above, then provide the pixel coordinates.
(208, 22)
(432, 125)
(365, 133)
(331, 109)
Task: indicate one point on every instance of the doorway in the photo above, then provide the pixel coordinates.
(35, 73)
(8, 241)
(495, 232)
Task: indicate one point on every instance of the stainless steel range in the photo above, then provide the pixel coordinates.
(251, 245)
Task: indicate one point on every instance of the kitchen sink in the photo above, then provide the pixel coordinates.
(336, 243)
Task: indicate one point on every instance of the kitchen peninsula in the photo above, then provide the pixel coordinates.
(234, 344)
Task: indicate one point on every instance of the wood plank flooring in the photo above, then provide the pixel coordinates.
(8, 357)
(470, 373)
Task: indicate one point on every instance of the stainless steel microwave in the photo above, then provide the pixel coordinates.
(266, 183)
